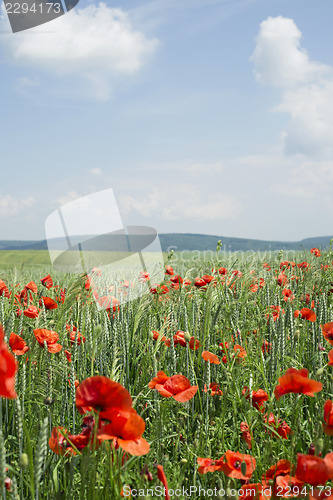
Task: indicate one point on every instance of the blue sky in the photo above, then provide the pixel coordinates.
(207, 116)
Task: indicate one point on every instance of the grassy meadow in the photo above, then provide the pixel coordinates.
(231, 324)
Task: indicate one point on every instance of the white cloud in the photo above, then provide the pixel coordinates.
(306, 85)
(96, 171)
(96, 44)
(182, 202)
(11, 206)
(311, 180)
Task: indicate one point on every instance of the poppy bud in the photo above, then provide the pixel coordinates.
(243, 468)
(312, 449)
(319, 446)
(24, 461)
(183, 461)
(297, 335)
(320, 372)
(187, 336)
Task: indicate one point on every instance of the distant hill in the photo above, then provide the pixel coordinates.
(182, 241)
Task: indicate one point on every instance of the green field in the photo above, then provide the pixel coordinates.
(215, 328)
(19, 258)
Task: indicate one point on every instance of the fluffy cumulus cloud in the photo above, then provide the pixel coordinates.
(97, 44)
(306, 87)
(308, 180)
(11, 206)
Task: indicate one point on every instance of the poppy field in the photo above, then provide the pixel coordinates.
(217, 383)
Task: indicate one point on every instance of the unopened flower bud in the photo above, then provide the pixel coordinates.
(24, 461)
(187, 336)
(319, 446)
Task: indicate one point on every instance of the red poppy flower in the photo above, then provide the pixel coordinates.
(327, 330)
(61, 298)
(8, 369)
(282, 279)
(108, 301)
(31, 312)
(126, 428)
(282, 467)
(266, 266)
(68, 356)
(63, 443)
(316, 252)
(275, 310)
(160, 289)
(208, 278)
(75, 334)
(176, 279)
(282, 429)
(240, 351)
(47, 281)
(258, 398)
(212, 358)
(179, 338)
(144, 276)
(156, 336)
(194, 344)
(285, 486)
(266, 347)
(169, 270)
(287, 264)
(102, 394)
(314, 470)
(303, 265)
(215, 389)
(58, 443)
(232, 465)
(328, 417)
(162, 477)
(48, 303)
(199, 282)
(223, 271)
(32, 287)
(256, 284)
(246, 435)
(306, 313)
(177, 386)
(330, 358)
(209, 465)
(279, 476)
(288, 295)
(297, 381)
(4, 290)
(50, 337)
(17, 344)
